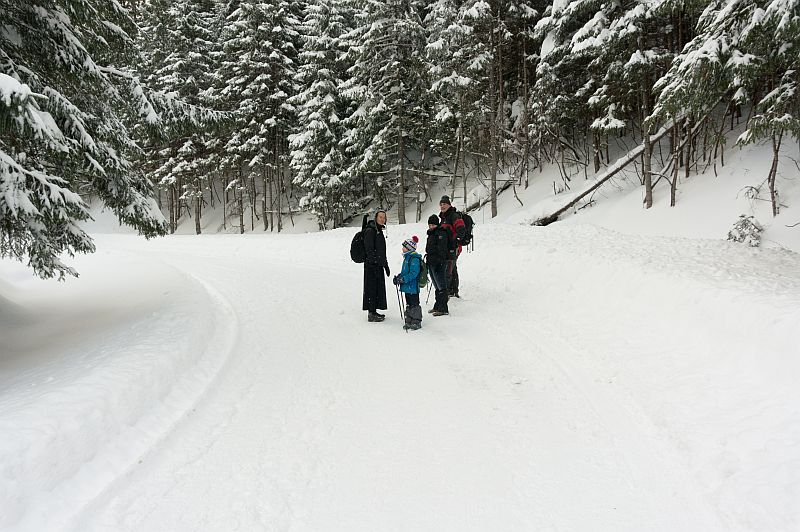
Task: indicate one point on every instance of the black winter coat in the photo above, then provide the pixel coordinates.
(375, 245)
(374, 283)
(437, 248)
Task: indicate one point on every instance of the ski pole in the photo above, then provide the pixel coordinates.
(400, 304)
(429, 292)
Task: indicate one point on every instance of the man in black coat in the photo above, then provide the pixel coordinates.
(374, 267)
(451, 220)
(437, 253)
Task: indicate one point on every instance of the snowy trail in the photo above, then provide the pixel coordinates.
(567, 391)
(143, 377)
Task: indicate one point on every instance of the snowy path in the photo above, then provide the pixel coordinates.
(572, 389)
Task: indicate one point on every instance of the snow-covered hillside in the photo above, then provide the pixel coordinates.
(588, 380)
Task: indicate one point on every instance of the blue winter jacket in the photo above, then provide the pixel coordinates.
(410, 272)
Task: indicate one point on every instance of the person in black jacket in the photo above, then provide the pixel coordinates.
(374, 267)
(451, 220)
(437, 253)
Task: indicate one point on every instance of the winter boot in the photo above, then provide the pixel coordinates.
(374, 316)
(438, 312)
(415, 313)
(441, 303)
(407, 324)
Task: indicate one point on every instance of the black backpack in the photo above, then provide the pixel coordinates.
(357, 250)
(468, 225)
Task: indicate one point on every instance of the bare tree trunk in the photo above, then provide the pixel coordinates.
(676, 153)
(494, 102)
(688, 147)
(253, 196)
(596, 145)
(460, 154)
(463, 164)
(526, 152)
(459, 130)
(279, 181)
(401, 175)
(271, 173)
(198, 200)
(648, 146)
(224, 202)
(646, 169)
(178, 205)
(240, 190)
(173, 223)
(264, 197)
(421, 179)
(777, 137)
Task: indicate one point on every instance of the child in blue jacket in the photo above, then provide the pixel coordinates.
(408, 281)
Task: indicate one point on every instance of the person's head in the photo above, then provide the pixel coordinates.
(410, 244)
(444, 203)
(433, 221)
(380, 217)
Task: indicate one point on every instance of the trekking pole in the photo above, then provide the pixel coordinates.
(400, 304)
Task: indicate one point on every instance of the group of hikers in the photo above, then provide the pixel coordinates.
(447, 234)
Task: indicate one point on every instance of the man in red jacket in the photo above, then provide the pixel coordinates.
(451, 220)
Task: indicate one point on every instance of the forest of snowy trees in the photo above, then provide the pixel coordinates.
(164, 108)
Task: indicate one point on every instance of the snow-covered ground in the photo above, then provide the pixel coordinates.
(632, 373)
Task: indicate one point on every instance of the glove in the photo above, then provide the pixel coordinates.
(386, 269)
(397, 280)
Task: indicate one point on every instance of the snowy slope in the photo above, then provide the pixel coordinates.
(589, 380)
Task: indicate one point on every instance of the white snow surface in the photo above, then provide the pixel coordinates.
(621, 370)
(588, 380)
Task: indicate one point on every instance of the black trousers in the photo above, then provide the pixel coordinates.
(453, 284)
(441, 280)
(412, 300)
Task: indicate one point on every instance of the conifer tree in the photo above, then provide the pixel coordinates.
(259, 54)
(459, 59)
(744, 52)
(67, 101)
(387, 81)
(189, 31)
(317, 155)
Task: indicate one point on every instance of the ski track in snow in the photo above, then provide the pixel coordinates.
(145, 379)
(571, 389)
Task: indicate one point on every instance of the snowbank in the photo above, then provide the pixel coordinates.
(94, 372)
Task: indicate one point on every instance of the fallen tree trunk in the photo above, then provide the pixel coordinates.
(610, 172)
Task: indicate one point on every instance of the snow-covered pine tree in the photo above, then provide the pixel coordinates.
(600, 60)
(188, 31)
(564, 80)
(387, 82)
(459, 59)
(317, 154)
(629, 56)
(769, 75)
(259, 56)
(65, 100)
(521, 56)
(745, 52)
